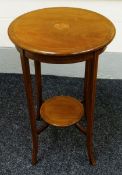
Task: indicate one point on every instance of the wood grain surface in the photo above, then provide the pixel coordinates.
(61, 31)
(62, 111)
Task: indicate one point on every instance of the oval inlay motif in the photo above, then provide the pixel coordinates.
(61, 26)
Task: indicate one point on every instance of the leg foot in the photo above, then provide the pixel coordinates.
(90, 152)
(91, 158)
(93, 161)
(34, 157)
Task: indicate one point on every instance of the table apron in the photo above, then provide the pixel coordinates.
(55, 59)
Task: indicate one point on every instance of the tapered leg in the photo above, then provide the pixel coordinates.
(38, 87)
(28, 89)
(85, 86)
(90, 93)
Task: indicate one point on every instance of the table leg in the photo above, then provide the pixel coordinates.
(90, 93)
(38, 87)
(85, 86)
(28, 89)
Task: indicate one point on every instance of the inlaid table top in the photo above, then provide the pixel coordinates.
(61, 31)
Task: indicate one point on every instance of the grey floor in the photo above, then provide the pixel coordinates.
(61, 151)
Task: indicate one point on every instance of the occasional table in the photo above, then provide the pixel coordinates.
(61, 35)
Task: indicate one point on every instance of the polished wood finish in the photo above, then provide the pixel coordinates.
(90, 93)
(62, 111)
(38, 84)
(28, 89)
(61, 36)
(61, 31)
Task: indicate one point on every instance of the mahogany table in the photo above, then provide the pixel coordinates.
(61, 35)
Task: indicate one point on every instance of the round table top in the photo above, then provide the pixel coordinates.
(61, 31)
